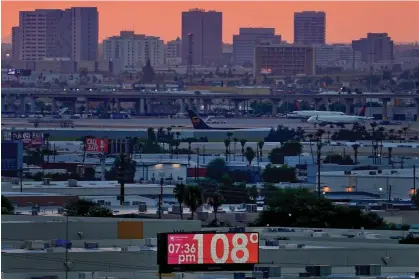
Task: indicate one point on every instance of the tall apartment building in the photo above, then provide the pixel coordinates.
(343, 56)
(71, 33)
(85, 37)
(130, 51)
(309, 28)
(206, 30)
(174, 52)
(248, 38)
(375, 47)
(16, 37)
(284, 60)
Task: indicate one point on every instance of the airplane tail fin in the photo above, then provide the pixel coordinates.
(197, 122)
(297, 105)
(362, 111)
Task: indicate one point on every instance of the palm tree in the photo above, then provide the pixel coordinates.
(215, 200)
(193, 198)
(179, 192)
(250, 154)
(151, 135)
(177, 135)
(373, 126)
(227, 145)
(310, 138)
(229, 135)
(390, 149)
(260, 145)
(391, 133)
(189, 140)
(235, 140)
(356, 147)
(243, 143)
(405, 129)
(177, 143)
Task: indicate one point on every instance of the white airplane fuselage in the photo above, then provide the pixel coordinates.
(305, 114)
(336, 119)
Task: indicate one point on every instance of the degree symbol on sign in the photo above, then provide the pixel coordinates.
(253, 238)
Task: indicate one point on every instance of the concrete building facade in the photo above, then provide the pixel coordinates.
(284, 60)
(248, 38)
(130, 51)
(338, 56)
(375, 47)
(310, 27)
(43, 33)
(206, 28)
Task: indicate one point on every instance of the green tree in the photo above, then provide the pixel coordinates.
(86, 208)
(216, 169)
(243, 143)
(148, 73)
(180, 192)
(272, 174)
(193, 198)
(338, 159)
(301, 208)
(356, 147)
(7, 207)
(250, 154)
(289, 148)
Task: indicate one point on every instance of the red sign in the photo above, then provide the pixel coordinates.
(210, 248)
(96, 145)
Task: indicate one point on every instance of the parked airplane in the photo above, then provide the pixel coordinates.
(306, 114)
(200, 124)
(339, 120)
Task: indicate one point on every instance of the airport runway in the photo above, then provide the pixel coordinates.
(142, 123)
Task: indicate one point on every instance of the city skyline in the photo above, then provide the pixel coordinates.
(353, 24)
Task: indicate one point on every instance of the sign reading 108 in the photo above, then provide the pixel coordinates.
(219, 248)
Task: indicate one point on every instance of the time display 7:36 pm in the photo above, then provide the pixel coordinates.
(210, 248)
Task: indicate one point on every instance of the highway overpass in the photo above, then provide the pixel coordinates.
(144, 100)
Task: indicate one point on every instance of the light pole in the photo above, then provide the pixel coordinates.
(319, 147)
(161, 199)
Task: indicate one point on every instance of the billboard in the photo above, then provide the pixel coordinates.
(29, 139)
(96, 145)
(203, 251)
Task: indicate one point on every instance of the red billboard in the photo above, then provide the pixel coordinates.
(96, 145)
(212, 248)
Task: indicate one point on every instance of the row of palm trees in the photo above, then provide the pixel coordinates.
(193, 197)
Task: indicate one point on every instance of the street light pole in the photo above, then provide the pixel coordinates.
(318, 168)
(161, 199)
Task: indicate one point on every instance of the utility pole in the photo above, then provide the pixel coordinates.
(319, 146)
(161, 198)
(414, 179)
(121, 177)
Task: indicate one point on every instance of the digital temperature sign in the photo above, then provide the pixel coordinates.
(179, 252)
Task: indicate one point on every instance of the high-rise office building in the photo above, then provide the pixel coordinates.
(205, 31)
(130, 51)
(248, 38)
(310, 28)
(375, 47)
(71, 33)
(85, 33)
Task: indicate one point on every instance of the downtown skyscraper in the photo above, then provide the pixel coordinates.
(310, 28)
(48, 33)
(202, 34)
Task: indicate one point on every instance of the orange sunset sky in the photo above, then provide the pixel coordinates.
(345, 20)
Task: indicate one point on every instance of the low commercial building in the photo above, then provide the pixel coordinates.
(387, 184)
